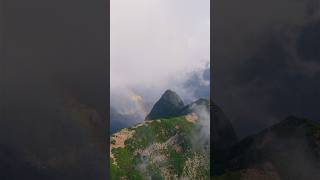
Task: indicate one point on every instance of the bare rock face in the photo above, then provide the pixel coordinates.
(169, 105)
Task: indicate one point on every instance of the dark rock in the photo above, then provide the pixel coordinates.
(169, 105)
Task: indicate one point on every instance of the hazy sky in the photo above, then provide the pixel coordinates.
(156, 41)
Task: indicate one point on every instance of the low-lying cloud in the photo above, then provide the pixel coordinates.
(157, 45)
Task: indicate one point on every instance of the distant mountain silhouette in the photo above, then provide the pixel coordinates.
(169, 105)
(223, 131)
(288, 150)
(198, 104)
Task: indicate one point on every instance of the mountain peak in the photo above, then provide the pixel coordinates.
(168, 91)
(170, 104)
(171, 96)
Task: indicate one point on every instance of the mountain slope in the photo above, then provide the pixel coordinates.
(158, 149)
(289, 150)
(194, 106)
(172, 142)
(170, 104)
(168, 146)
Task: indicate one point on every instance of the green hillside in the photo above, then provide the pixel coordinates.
(159, 149)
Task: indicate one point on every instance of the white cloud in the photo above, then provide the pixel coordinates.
(155, 41)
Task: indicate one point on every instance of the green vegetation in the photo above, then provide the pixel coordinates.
(154, 134)
(158, 132)
(116, 171)
(126, 165)
(177, 160)
(155, 172)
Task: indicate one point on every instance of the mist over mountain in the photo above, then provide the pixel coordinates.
(198, 82)
(267, 154)
(164, 48)
(119, 120)
(173, 141)
(134, 103)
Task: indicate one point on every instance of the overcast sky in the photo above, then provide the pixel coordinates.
(156, 41)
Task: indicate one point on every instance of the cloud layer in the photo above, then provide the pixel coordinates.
(156, 45)
(155, 41)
